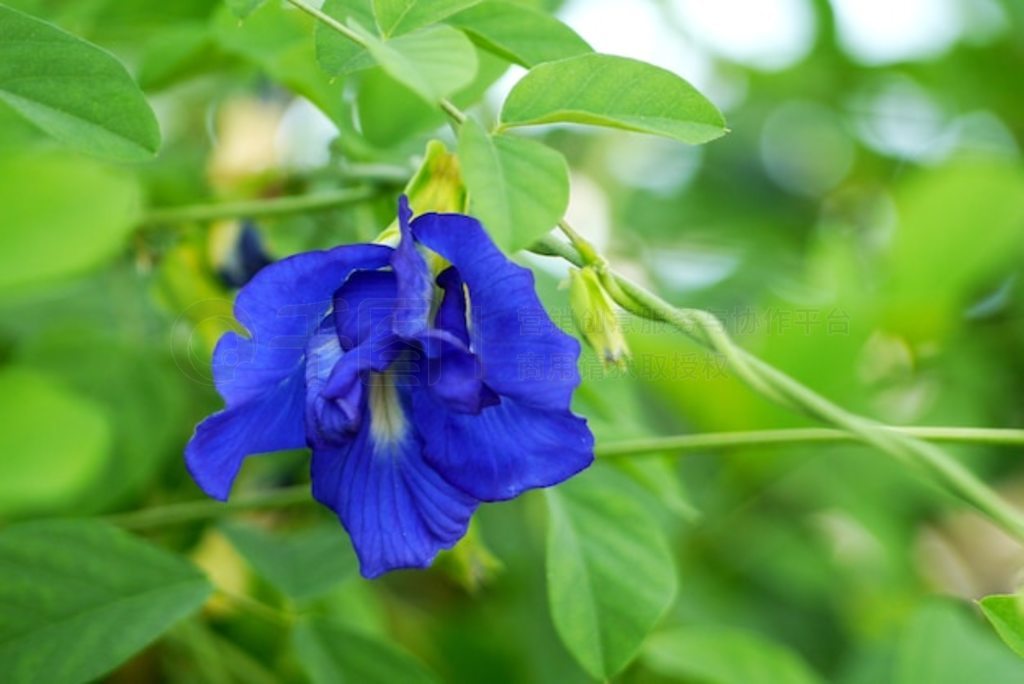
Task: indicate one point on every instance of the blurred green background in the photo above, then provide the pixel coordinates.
(861, 227)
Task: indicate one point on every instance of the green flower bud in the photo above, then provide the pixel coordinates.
(594, 314)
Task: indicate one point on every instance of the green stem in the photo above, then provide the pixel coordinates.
(796, 437)
(708, 331)
(192, 511)
(259, 208)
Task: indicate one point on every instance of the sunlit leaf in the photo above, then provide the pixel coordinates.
(518, 188)
(616, 92)
(42, 467)
(336, 53)
(518, 33)
(80, 597)
(401, 16)
(73, 90)
(433, 62)
(61, 216)
(1006, 613)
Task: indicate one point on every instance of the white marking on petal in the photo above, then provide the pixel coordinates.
(388, 424)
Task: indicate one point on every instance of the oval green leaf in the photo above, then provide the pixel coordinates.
(616, 92)
(433, 62)
(518, 188)
(401, 16)
(73, 90)
(332, 653)
(723, 656)
(519, 34)
(80, 597)
(1006, 613)
(61, 215)
(337, 54)
(43, 468)
(611, 576)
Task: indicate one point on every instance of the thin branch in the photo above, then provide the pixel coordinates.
(276, 206)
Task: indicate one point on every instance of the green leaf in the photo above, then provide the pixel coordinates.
(303, 564)
(80, 597)
(243, 8)
(943, 643)
(42, 467)
(518, 188)
(276, 39)
(181, 51)
(714, 655)
(433, 62)
(337, 54)
(610, 572)
(335, 654)
(73, 90)
(61, 215)
(401, 16)
(518, 33)
(1006, 613)
(617, 92)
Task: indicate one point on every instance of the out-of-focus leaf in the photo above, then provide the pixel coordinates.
(303, 564)
(335, 654)
(60, 216)
(433, 62)
(401, 16)
(243, 8)
(945, 644)
(140, 389)
(957, 226)
(519, 34)
(1006, 613)
(276, 39)
(181, 51)
(73, 90)
(610, 573)
(518, 188)
(41, 466)
(616, 92)
(81, 597)
(714, 655)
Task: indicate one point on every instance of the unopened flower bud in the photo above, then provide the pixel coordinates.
(594, 314)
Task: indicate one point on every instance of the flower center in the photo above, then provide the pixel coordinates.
(387, 419)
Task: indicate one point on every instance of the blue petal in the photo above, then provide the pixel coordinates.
(524, 354)
(396, 508)
(506, 449)
(262, 377)
(451, 313)
(334, 418)
(364, 307)
(281, 308)
(415, 290)
(271, 422)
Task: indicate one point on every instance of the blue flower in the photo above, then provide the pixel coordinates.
(416, 410)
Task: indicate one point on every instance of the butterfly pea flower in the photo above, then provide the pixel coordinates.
(420, 397)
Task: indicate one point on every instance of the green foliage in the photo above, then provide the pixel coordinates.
(401, 16)
(336, 53)
(518, 188)
(243, 8)
(433, 62)
(303, 564)
(333, 653)
(723, 656)
(43, 467)
(1006, 613)
(51, 199)
(81, 597)
(617, 92)
(945, 644)
(610, 573)
(519, 34)
(73, 90)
